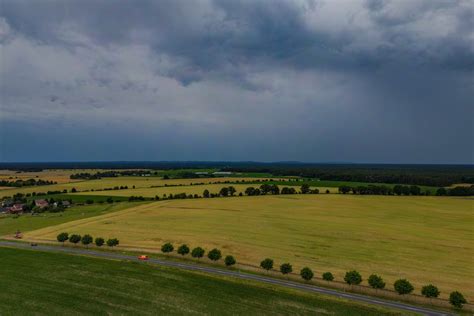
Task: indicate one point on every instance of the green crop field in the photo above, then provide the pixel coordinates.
(424, 239)
(57, 284)
(9, 224)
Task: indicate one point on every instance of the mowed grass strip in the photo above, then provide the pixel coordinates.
(42, 283)
(423, 239)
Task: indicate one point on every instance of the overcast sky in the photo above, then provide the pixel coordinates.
(321, 81)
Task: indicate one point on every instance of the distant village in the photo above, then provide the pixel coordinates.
(11, 206)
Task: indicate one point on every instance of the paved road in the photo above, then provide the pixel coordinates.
(231, 273)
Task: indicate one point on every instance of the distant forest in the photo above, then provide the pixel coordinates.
(431, 175)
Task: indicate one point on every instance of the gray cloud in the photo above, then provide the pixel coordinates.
(373, 81)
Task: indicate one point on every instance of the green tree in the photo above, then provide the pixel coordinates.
(267, 264)
(441, 192)
(197, 252)
(62, 237)
(415, 190)
(74, 238)
(306, 273)
(398, 189)
(327, 276)
(265, 188)
(167, 248)
(86, 239)
(206, 193)
(353, 278)
(457, 299)
(232, 190)
(214, 254)
(183, 250)
(229, 261)
(430, 291)
(344, 189)
(99, 241)
(305, 188)
(403, 286)
(286, 268)
(224, 191)
(112, 242)
(376, 282)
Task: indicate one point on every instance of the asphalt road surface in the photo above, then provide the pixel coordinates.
(231, 273)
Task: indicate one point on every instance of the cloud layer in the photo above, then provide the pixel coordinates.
(361, 81)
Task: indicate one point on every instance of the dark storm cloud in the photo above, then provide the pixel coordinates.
(387, 81)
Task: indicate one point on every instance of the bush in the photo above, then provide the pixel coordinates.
(267, 264)
(62, 237)
(229, 261)
(214, 254)
(89, 201)
(74, 238)
(99, 241)
(286, 268)
(86, 239)
(197, 252)
(327, 276)
(306, 273)
(430, 291)
(183, 250)
(457, 299)
(376, 282)
(167, 248)
(403, 286)
(353, 277)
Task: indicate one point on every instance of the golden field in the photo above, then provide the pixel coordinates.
(423, 239)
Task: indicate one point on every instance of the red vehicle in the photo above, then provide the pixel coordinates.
(143, 257)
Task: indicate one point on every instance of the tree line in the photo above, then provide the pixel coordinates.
(401, 286)
(429, 175)
(86, 240)
(25, 183)
(383, 190)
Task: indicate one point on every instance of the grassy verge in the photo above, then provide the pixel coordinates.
(85, 285)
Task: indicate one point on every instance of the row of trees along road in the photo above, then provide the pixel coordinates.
(86, 240)
(199, 252)
(401, 286)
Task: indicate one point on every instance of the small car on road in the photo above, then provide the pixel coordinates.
(33, 244)
(143, 257)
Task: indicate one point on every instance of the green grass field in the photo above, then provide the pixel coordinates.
(58, 284)
(9, 224)
(424, 239)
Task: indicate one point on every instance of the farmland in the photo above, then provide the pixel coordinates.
(160, 191)
(10, 224)
(127, 288)
(423, 239)
(104, 183)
